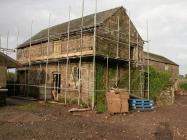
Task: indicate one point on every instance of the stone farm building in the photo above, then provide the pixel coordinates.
(5, 63)
(163, 64)
(70, 58)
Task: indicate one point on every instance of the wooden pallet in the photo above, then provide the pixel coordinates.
(141, 104)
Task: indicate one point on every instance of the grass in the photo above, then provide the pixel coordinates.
(48, 104)
(183, 85)
(28, 107)
(33, 107)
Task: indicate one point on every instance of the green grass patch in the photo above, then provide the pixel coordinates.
(48, 104)
(28, 107)
(183, 85)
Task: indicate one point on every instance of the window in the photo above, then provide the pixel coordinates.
(22, 53)
(166, 67)
(76, 72)
(132, 53)
(51, 48)
(25, 52)
(44, 50)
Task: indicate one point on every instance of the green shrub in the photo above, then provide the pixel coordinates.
(100, 89)
(158, 81)
(137, 78)
(183, 85)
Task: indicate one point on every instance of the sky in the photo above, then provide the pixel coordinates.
(167, 20)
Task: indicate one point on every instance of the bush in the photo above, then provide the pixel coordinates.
(100, 89)
(137, 78)
(158, 81)
(183, 85)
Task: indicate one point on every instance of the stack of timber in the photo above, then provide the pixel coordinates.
(117, 101)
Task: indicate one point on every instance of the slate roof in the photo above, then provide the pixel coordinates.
(88, 21)
(159, 58)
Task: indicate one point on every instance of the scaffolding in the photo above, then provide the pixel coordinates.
(148, 70)
(46, 68)
(80, 57)
(114, 36)
(129, 60)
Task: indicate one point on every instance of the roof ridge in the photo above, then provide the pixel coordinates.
(74, 24)
(87, 16)
(160, 58)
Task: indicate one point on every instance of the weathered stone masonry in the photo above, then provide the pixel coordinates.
(106, 47)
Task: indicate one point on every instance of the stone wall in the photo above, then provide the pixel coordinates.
(37, 73)
(108, 35)
(106, 44)
(167, 96)
(56, 49)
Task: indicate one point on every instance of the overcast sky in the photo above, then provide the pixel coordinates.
(167, 21)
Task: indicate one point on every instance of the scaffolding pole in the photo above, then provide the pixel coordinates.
(67, 53)
(117, 52)
(94, 51)
(80, 61)
(58, 79)
(139, 64)
(46, 68)
(107, 74)
(40, 73)
(25, 85)
(86, 29)
(15, 78)
(29, 67)
(17, 40)
(148, 70)
(7, 43)
(129, 55)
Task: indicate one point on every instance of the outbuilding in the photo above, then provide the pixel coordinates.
(5, 63)
(163, 64)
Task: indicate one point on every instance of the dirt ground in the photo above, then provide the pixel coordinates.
(22, 120)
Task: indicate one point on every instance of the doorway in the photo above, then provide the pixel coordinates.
(57, 81)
